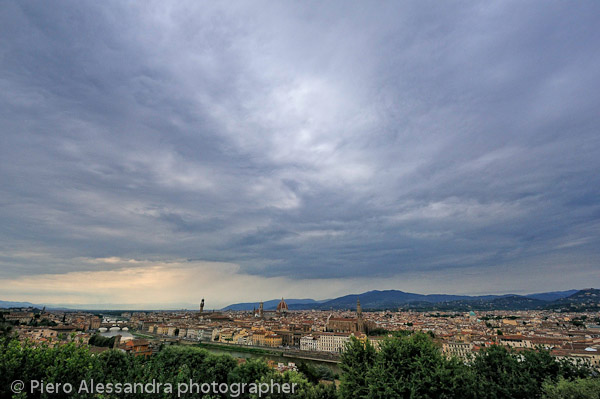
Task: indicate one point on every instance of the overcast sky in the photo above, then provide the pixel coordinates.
(153, 153)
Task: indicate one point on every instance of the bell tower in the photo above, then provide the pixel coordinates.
(202, 306)
(360, 322)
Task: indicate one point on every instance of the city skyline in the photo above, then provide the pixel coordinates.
(154, 153)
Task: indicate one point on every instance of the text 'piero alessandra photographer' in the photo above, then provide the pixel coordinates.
(153, 387)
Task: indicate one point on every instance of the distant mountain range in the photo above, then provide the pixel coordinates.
(394, 299)
(9, 304)
(272, 304)
(573, 300)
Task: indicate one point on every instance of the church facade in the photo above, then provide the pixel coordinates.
(348, 325)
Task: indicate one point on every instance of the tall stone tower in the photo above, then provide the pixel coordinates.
(261, 310)
(360, 321)
(202, 306)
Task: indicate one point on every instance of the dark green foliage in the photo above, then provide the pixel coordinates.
(324, 373)
(577, 389)
(310, 372)
(504, 374)
(413, 367)
(378, 331)
(303, 388)
(99, 340)
(499, 374)
(69, 363)
(322, 391)
(401, 333)
(357, 360)
(6, 329)
(383, 332)
(314, 374)
(404, 367)
(250, 371)
(65, 364)
(36, 322)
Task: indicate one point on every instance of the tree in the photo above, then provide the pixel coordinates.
(66, 363)
(502, 373)
(114, 365)
(405, 367)
(539, 365)
(99, 340)
(302, 390)
(588, 388)
(321, 391)
(413, 367)
(356, 360)
(6, 330)
(310, 372)
(251, 371)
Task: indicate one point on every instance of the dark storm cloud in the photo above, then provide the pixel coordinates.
(303, 140)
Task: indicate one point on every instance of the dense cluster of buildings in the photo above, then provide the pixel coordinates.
(56, 328)
(277, 328)
(572, 336)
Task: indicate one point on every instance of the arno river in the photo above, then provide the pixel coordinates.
(123, 334)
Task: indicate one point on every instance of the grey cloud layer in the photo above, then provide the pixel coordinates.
(303, 140)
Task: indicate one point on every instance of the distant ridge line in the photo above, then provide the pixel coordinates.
(394, 299)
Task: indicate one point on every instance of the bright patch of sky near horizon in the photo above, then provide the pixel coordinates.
(157, 152)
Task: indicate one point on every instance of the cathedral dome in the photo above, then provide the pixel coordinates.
(282, 306)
